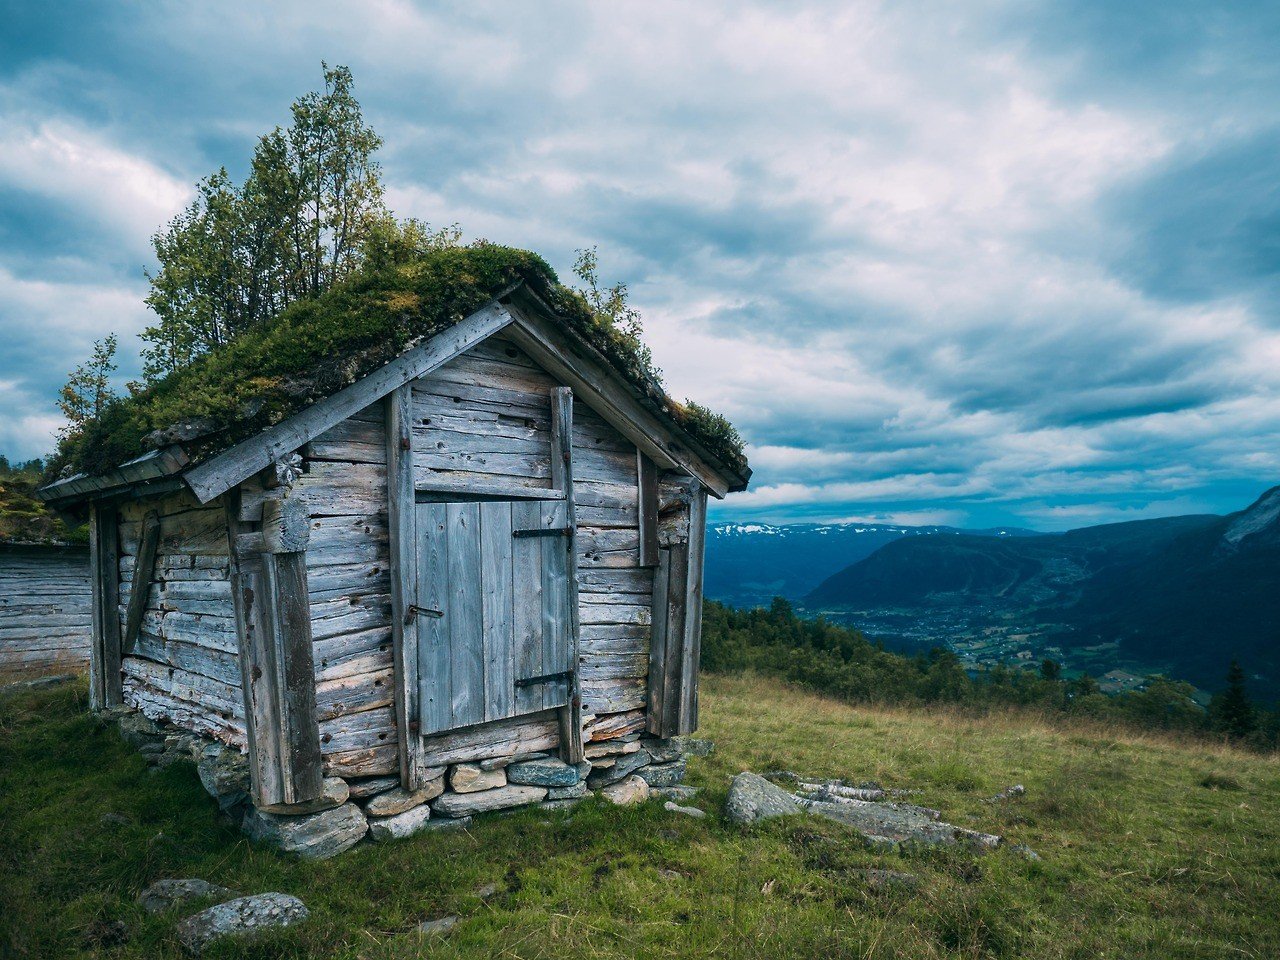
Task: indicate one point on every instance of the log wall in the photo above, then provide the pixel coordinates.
(46, 610)
(183, 667)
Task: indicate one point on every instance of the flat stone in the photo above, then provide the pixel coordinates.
(470, 778)
(446, 824)
(438, 927)
(1025, 852)
(878, 844)
(400, 825)
(902, 822)
(687, 811)
(370, 786)
(548, 772)
(499, 798)
(114, 820)
(674, 793)
(137, 731)
(487, 891)
(752, 798)
(623, 767)
(574, 792)
(242, 918)
(696, 747)
(563, 804)
(610, 748)
(663, 774)
(335, 793)
(316, 836)
(399, 800)
(494, 763)
(164, 894)
(626, 792)
(887, 879)
(663, 751)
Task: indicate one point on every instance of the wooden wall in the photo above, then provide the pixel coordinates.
(481, 424)
(45, 610)
(184, 666)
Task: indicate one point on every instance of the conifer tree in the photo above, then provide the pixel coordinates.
(1232, 711)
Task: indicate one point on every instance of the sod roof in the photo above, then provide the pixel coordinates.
(317, 347)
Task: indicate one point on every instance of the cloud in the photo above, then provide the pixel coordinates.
(1012, 263)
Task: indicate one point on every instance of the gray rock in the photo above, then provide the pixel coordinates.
(626, 792)
(438, 927)
(371, 786)
(487, 891)
(574, 792)
(446, 824)
(695, 747)
(674, 793)
(316, 836)
(624, 766)
(114, 820)
(500, 798)
(470, 778)
(164, 894)
(878, 844)
(494, 763)
(902, 822)
(566, 803)
(610, 748)
(663, 774)
(334, 794)
(39, 683)
(399, 800)
(242, 918)
(663, 751)
(548, 772)
(400, 825)
(687, 811)
(137, 731)
(224, 772)
(1025, 852)
(752, 798)
(1008, 793)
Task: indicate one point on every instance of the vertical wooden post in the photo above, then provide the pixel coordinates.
(404, 580)
(143, 571)
(647, 492)
(106, 684)
(273, 626)
(570, 716)
(692, 652)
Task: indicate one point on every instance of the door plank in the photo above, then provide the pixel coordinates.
(496, 545)
(527, 601)
(466, 625)
(435, 666)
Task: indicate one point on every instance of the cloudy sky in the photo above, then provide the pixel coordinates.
(1012, 265)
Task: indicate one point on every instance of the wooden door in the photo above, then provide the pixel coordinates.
(493, 610)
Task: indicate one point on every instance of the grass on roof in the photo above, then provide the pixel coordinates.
(317, 347)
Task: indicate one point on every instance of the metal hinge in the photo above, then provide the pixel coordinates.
(545, 678)
(544, 532)
(413, 610)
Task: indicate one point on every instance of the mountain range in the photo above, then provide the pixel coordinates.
(1177, 595)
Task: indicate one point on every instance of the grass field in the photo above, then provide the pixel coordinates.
(1151, 848)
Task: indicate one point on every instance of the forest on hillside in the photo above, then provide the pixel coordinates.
(841, 662)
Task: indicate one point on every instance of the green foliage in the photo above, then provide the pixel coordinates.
(840, 662)
(88, 392)
(298, 225)
(613, 307)
(1232, 712)
(24, 518)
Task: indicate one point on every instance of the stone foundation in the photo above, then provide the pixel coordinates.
(624, 769)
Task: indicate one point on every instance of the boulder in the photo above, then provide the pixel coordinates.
(164, 894)
(752, 798)
(500, 798)
(335, 793)
(900, 822)
(224, 772)
(687, 811)
(574, 792)
(470, 778)
(663, 774)
(400, 825)
(240, 918)
(316, 836)
(626, 792)
(547, 772)
(623, 767)
(399, 800)
(371, 786)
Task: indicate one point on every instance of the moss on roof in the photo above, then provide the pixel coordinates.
(316, 347)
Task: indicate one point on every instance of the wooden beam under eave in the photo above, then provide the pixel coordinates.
(224, 471)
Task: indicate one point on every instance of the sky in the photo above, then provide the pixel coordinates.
(981, 264)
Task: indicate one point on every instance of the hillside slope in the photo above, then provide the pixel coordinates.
(1190, 592)
(1150, 849)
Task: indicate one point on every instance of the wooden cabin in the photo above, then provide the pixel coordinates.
(488, 549)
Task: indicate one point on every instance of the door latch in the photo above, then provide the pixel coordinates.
(414, 610)
(545, 678)
(543, 532)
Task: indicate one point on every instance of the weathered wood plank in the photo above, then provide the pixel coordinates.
(142, 575)
(106, 688)
(505, 738)
(647, 485)
(435, 659)
(570, 717)
(496, 550)
(691, 653)
(224, 471)
(527, 605)
(466, 625)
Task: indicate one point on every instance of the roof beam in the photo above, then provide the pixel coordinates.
(224, 471)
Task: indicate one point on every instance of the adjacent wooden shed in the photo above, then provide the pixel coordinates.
(45, 611)
(488, 547)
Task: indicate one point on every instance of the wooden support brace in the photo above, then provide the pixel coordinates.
(143, 572)
(106, 684)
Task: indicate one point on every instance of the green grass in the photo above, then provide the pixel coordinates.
(1152, 848)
